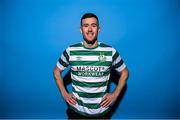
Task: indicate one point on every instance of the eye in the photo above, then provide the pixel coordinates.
(85, 25)
(94, 25)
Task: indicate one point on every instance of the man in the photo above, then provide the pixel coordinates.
(91, 62)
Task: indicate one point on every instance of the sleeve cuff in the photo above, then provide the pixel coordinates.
(119, 69)
(60, 66)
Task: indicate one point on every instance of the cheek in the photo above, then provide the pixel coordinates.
(96, 31)
(84, 30)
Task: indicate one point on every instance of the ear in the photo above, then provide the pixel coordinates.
(99, 30)
(80, 29)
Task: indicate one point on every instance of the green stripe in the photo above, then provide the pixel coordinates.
(92, 63)
(88, 105)
(90, 84)
(119, 64)
(66, 55)
(91, 53)
(115, 56)
(91, 73)
(89, 115)
(77, 45)
(89, 95)
(103, 45)
(62, 62)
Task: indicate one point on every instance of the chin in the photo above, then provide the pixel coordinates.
(91, 41)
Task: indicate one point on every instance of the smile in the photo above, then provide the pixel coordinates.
(90, 34)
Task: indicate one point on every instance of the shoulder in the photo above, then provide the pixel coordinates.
(101, 44)
(108, 47)
(73, 46)
(76, 45)
(104, 45)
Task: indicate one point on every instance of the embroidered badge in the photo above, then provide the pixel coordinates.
(102, 57)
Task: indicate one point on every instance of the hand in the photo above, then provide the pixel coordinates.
(108, 99)
(70, 99)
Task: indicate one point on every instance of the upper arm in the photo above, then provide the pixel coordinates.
(63, 61)
(57, 73)
(57, 70)
(125, 72)
(117, 62)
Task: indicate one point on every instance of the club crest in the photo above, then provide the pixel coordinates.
(102, 57)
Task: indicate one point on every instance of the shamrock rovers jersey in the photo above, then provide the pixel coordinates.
(90, 72)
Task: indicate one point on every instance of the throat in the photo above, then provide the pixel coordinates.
(90, 45)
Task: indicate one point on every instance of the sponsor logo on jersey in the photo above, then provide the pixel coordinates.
(78, 58)
(90, 68)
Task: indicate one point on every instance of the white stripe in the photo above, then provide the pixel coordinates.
(89, 58)
(60, 66)
(90, 89)
(68, 52)
(119, 69)
(96, 49)
(113, 51)
(90, 79)
(88, 100)
(90, 111)
(118, 59)
(64, 59)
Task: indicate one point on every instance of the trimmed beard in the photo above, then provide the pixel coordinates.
(90, 42)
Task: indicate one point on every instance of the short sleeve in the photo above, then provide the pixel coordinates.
(117, 62)
(63, 61)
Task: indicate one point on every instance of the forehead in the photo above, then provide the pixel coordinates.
(89, 20)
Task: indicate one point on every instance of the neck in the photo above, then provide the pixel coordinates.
(90, 45)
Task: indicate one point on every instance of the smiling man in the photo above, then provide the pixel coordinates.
(91, 62)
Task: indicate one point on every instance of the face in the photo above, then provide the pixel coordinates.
(90, 29)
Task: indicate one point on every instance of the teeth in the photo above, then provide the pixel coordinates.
(90, 34)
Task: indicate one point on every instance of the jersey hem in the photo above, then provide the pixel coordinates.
(89, 115)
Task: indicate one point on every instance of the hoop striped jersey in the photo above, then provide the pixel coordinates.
(90, 72)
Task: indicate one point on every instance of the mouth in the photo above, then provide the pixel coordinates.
(90, 34)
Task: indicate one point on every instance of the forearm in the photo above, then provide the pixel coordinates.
(69, 98)
(110, 98)
(59, 81)
(122, 81)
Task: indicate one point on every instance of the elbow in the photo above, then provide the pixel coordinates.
(125, 73)
(54, 72)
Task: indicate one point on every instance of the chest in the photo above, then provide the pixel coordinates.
(90, 58)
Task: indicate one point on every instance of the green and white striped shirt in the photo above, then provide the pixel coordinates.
(90, 72)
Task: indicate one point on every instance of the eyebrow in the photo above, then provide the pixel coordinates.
(94, 24)
(90, 24)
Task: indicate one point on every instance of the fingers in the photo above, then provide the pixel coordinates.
(71, 99)
(106, 104)
(107, 100)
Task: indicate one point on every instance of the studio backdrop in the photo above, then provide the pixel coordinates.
(35, 32)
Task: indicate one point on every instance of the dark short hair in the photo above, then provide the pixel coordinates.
(89, 15)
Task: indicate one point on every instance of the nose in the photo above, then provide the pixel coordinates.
(89, 28)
